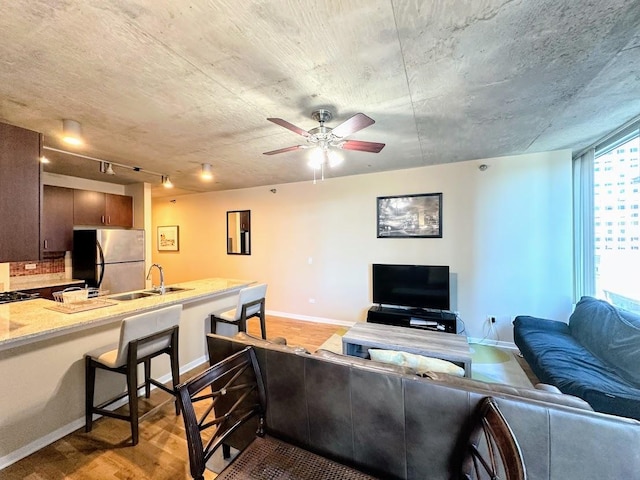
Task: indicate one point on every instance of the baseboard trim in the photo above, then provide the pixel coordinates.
(493, 343)
(71, 427)
(307, 318)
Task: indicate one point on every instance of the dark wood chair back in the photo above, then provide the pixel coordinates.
(218, 402)
(492, 450)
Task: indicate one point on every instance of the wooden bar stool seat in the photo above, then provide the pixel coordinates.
(142, 337)
(251, 303)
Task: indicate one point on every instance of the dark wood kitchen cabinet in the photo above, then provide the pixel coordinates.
(20, 190)
(57, 219)
(119, 210)
(97, 208)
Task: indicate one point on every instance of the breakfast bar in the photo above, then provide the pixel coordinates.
(42, 350)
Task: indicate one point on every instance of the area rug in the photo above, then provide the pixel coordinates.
(333, 343)
(492, 364)
(488, 363)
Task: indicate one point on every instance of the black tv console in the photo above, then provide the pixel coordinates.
(437, 320)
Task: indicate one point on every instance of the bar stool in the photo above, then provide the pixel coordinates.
(251, 302)
(142, 337)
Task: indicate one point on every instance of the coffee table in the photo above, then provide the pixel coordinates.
(445, 346)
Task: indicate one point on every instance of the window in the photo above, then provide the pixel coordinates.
(607, 245)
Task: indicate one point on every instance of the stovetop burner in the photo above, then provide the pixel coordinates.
(8, 297)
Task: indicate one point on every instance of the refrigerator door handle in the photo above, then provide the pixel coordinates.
(101, 264)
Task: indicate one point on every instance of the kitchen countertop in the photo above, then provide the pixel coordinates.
(17, 285)
(31, 320)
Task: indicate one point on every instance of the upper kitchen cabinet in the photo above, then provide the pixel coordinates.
(97, 208)
(119, 210)
(19, 194)
(57, 219)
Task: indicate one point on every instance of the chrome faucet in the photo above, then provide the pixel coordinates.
(159, 267)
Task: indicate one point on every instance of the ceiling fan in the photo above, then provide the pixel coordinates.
(326, 138)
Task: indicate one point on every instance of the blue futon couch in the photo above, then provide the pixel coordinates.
(596, 356)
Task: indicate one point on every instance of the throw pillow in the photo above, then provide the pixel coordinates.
(419, 363)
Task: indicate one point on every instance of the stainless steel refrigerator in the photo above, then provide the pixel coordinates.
(110, 259)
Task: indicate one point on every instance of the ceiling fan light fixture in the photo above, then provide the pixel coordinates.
(72, 132)
(335, 158)
(206, 173)
(316, 158)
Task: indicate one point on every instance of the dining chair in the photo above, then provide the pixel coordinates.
(492, 449)
(251, 303)
(229, 396)
(142, 338)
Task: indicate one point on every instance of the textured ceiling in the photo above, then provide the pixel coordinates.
(166, 85)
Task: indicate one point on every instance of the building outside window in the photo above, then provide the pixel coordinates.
(616, 261)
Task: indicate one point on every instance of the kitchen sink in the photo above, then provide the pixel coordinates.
(132, 296)
(156, 291)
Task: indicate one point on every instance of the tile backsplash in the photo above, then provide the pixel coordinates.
(52, 263)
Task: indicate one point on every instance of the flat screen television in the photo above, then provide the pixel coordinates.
(417, 286)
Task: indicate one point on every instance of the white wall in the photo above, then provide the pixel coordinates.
(507, 236)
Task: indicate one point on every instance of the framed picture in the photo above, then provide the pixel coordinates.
(168, 239)
(410, 216)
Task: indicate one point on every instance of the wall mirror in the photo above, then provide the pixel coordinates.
(239, 232)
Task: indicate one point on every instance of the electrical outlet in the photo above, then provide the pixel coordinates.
(312, 300)
(30, 266)
(491, 319)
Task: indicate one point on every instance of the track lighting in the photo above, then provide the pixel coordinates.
(44, 160)
(106, 167)
(206, 173)
(71, 132)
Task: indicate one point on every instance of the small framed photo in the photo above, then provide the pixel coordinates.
(410, 216)
(168, 239)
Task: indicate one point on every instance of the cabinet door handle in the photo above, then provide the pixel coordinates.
(109, 220)
(46, 244)
(102, 219)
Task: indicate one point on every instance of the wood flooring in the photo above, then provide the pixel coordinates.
(161, 454)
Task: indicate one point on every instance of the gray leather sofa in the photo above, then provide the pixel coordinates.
(394, 424)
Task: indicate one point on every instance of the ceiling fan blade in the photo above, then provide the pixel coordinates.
(289, 126)
(371, 147)
(352, 125)
(283, 150)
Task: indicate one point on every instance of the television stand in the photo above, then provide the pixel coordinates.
(436, 320)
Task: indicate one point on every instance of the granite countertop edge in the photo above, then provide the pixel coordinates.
(29, 314)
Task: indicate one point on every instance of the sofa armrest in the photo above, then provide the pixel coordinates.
(529, 323)
(245, 337)
(547, 388)
(551, 396)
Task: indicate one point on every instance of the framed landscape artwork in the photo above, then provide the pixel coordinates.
(410, 216)
(168, 239)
